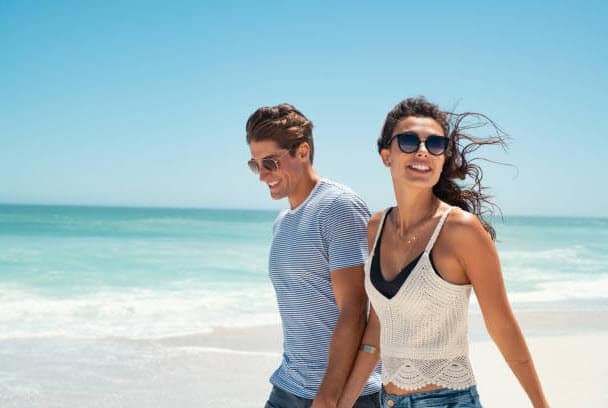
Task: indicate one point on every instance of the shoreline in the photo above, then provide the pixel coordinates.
(268, 337)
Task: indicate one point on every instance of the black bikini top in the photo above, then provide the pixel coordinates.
(390, 288)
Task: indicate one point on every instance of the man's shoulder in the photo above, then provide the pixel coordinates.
(336, 194)
(282, 213)
(339, 205)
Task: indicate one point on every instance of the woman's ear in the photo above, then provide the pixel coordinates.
(385, 154)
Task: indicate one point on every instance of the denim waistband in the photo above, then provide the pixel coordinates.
(431, 398)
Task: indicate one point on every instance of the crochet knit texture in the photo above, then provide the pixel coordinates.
(423, 335)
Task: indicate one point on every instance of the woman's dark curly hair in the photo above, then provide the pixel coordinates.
(457, 166)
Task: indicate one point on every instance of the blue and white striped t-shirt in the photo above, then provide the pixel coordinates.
(327, 231)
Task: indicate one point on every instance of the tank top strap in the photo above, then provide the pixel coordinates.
(380, 227)
(437, 230)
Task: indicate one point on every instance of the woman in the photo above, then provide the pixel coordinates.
(426, 254)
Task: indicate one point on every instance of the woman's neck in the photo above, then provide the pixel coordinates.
(414, 206)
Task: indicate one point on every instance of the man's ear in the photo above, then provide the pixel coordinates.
(303, 151)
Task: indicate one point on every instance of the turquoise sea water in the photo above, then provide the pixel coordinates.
(68, 250)
(89, 272)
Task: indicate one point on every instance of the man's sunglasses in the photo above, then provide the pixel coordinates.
(269, 163)
(409, 142)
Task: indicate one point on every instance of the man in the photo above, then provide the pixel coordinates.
(316, 262)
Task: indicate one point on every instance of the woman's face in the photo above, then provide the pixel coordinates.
(419, 169)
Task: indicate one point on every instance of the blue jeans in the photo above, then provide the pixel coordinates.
(282, 399)
(445, 398)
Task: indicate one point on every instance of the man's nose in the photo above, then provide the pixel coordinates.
(264, 172)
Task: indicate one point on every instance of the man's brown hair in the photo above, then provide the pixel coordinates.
(283, 124)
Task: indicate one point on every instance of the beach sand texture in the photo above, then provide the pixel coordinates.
(569, 350)
(231, 367)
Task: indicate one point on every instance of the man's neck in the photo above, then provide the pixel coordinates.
(308, 182)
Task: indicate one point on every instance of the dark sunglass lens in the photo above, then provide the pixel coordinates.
(408, 142)
(253, 166)
(436, 145)
(270, 164)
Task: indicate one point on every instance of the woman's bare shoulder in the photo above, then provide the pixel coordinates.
(462, 226)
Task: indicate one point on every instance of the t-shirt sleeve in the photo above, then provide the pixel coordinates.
(345, 231)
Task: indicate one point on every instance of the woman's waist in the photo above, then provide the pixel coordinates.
(415, 376)
(431, 395)
(391, 388)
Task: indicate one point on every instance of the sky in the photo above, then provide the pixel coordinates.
(144, 103)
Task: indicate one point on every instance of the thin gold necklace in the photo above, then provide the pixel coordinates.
(413, 238)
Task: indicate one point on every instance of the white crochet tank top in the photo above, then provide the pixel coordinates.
(423, 328)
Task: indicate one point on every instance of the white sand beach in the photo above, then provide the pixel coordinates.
(231, 367)
(568, 349)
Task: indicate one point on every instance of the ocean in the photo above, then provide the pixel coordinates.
(77, 283)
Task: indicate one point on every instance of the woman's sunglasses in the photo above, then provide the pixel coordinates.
(409, 142)
(269, 163)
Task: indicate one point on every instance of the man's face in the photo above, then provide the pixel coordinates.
(281, 182)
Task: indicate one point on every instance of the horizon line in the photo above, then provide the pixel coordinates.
(193, 208)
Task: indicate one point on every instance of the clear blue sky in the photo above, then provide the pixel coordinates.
(144, 103)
